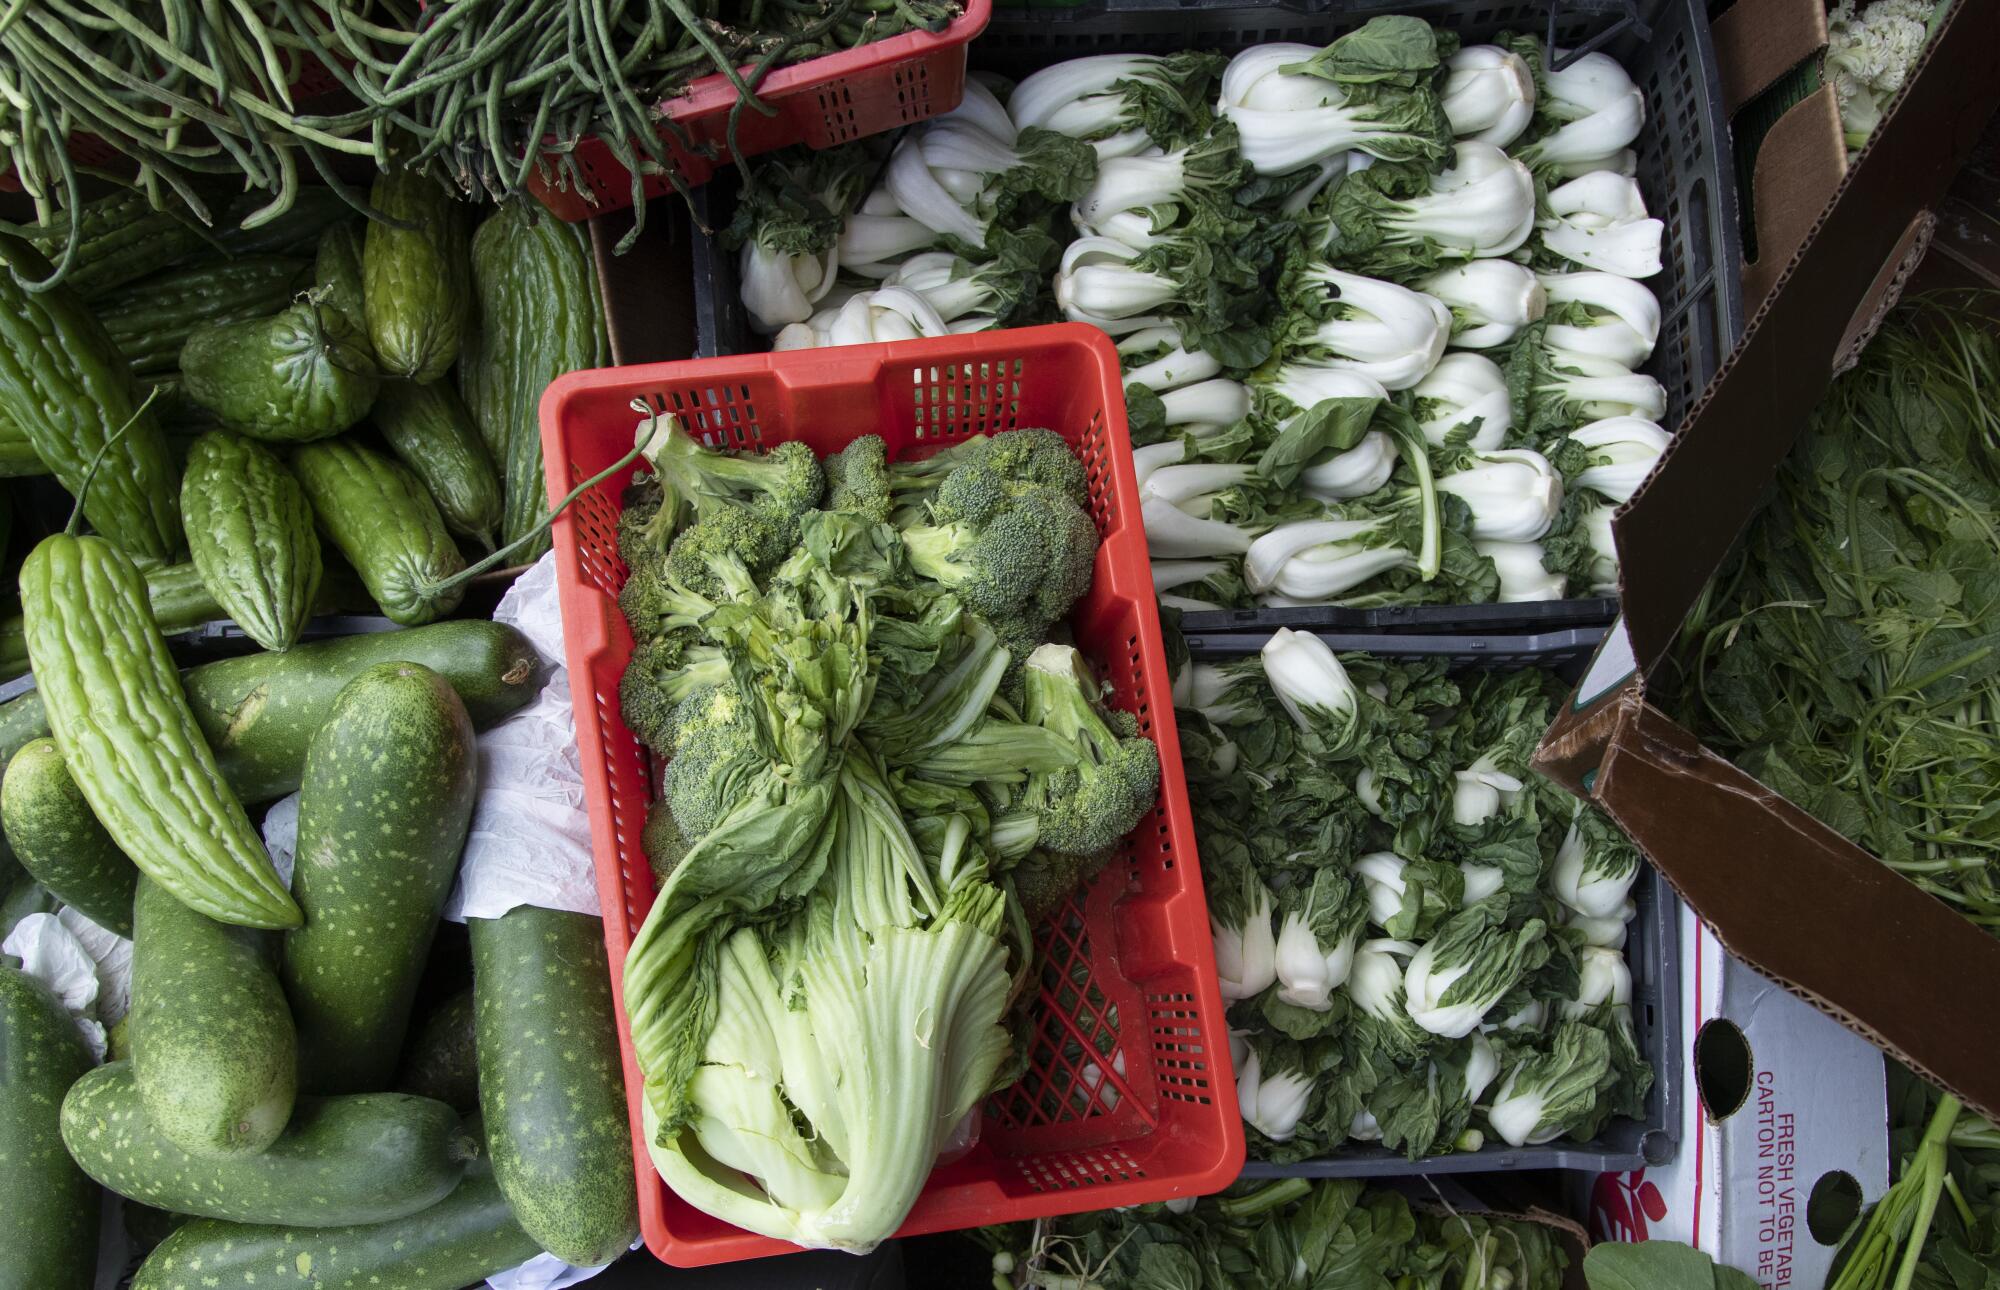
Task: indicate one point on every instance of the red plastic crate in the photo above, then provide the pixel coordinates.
(1128, 985)
(835, 98)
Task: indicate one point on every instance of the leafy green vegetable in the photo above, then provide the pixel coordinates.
(1658, 1265)
(1849, 653)
(1419, 941)
(1286, 1235)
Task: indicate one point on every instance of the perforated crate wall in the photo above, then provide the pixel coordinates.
(834, 98)
(1128, 1097)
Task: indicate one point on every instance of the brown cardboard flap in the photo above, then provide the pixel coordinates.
(1815, 912)
(1573, 747)
(1757, 41)
(1799, 165)
(1884, 292)
(1675, 533)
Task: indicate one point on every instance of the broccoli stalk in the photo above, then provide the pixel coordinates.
(1113, 779)
(788, 477)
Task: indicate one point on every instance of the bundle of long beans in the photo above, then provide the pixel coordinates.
(483, 92)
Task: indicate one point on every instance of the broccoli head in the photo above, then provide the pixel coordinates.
(1113, 779)
(716, 758)
(1043, 880)
(662, 842)
(662, 671)
(787, 478)
(857, 479)
(1021, 568)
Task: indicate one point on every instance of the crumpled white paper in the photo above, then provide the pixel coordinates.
(543, 1272)
(88, 967)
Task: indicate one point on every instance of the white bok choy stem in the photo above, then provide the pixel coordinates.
(1465, 393)
(1490, 300)
(1602, 112)
(1514, 494)
(1599, 221)
(1519, 566)
(1613, 318)
(1388, 333)
(1489, 94)
(1623, 451)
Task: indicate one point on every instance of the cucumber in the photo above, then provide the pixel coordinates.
(71, 393)
(150, 320)
(361, 1159)
(301, 374)
(442, 1060)
(388, 795)
(428, 427)
(48, 1237)
(460, 1241)
(550, 1083)
(537, 315)
(122, 238)
(378, 515)
(337, 273)
(213, 1050)
(251, 537)
(414, 288)
(60, 842)
(260, 711)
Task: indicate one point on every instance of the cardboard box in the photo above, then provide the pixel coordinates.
(1809, 909)
(1786, 1139)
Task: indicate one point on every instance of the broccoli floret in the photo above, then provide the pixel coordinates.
(1021, 569)
(972, 479)
(912, 484)
(1043, 880)
(716, 755)
(788, 477)
(1035, 456)
(661, 672)
(1089, 805)
(857, 479)
(662, 842)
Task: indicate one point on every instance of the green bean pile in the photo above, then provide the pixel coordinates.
(483, 93)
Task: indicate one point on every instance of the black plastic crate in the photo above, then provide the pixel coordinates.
(1686, 170)
(1652, 948)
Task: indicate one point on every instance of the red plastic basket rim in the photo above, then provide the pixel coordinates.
(714, 92)
(587, 631)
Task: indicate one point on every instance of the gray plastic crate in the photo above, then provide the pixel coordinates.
(1652, 950)
(1685, 169)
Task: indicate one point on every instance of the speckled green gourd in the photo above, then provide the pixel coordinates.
(428, 427)
(303, 373)
(259, 712)
(460, 1241)
(250, 533)
(550, 1084)
(379, 516)
(337, 273)
(213, 1050)
(58, 840)
(414, 287)
(48, 1237)
(388, 794)
(441, 1059)
(70, 392)
(127, 734)
(367, 1158)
